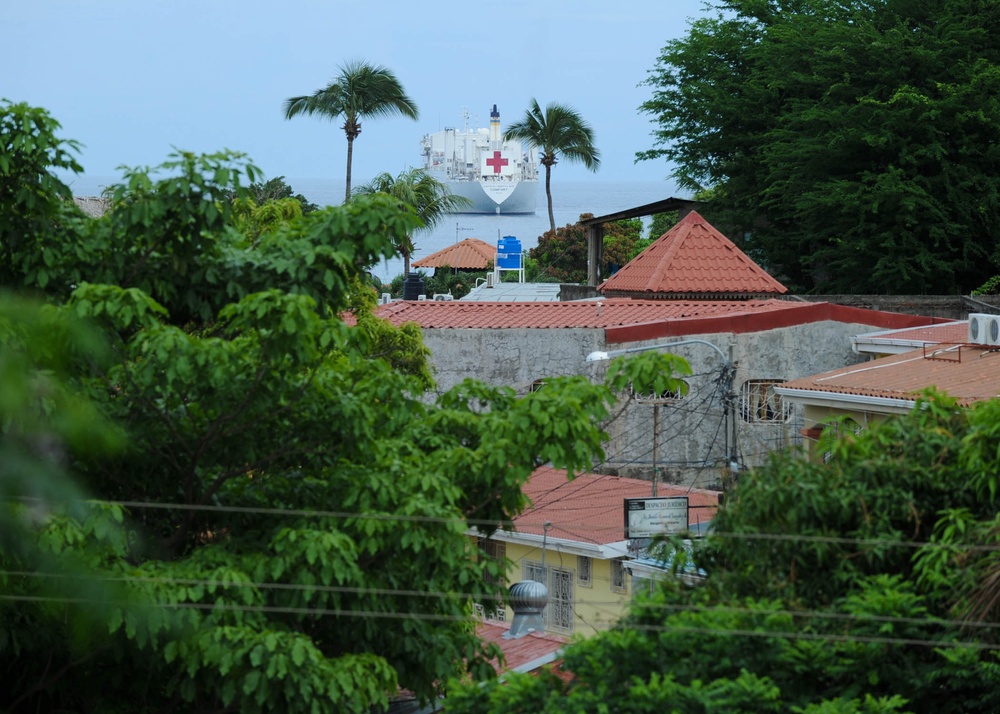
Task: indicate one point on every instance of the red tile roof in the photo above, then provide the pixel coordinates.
(535, 648)
(692, 258)
(469, 254)
(584, 314)
(591, 507)
(969, 373)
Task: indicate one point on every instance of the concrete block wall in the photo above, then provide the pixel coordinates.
(695, 435)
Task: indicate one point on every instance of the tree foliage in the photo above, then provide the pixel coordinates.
(865, 582)
(360, 91)
(557, 131)
(561, 254)
(429, 198)
(279, 506)
(853, 144)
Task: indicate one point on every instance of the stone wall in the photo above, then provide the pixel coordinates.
(696, 433)
(952, 307)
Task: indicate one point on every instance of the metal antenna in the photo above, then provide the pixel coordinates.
(545, 537)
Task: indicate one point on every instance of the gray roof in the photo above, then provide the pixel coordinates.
(515, 292)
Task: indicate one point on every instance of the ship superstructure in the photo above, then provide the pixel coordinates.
(497, 176)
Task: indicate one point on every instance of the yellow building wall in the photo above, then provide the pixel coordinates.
(595, 605)
(817, 417)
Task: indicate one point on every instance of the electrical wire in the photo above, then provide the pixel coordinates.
(757, 535)
(424, 616)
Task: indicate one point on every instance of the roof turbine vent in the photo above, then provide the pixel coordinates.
(528, 599)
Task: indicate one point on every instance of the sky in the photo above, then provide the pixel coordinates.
(134, 80)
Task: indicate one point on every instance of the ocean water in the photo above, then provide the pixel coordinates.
(570, 199)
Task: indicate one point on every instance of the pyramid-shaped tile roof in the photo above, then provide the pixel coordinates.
(468, 254)
(692, 259)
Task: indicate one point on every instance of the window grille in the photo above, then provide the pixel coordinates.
(618, 582)
(760, 404)
(536, 385)
(494, 550)
(583, 570)
(841, 428)
(558, 614)
(671, 395)
(560, 609)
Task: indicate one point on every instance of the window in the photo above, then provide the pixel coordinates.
(558, 614)
(583, 569)
(495, 550)
(618, 583)
(672, 395)
(840, 428)
(759, 404)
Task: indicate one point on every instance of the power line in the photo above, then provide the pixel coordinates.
(525, 521)
(377, 614)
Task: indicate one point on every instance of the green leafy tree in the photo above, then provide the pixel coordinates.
(661, 223)
(865, 582)
(431, 199)
(558, 130)
(852, 143)
(276, 189)
(32, 196)
(561, 255)
(281, 524)
(360, 91)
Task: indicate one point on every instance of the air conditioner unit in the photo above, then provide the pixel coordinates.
(992, 330)
(984, 329)
(385, 299)
(490, 277)
(421, 298)
(443, 296)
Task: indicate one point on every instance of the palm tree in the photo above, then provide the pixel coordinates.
(361, 90)
(431, 199)
(557, 130)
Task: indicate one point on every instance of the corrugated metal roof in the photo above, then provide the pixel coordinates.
(514, 292)
(945, 333)
(591, 507)
(969, 373)
(468, 254)
(611, 312)
(692, 258)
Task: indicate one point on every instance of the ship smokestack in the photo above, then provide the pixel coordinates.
(495, 127)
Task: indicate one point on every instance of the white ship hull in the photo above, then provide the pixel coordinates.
(503, 198)
(495, 175)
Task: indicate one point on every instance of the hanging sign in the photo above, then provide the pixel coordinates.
(649, 517)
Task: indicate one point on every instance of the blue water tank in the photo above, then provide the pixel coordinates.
(509, 253)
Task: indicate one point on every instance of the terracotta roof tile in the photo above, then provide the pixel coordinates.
(591, 507)
(969, 373)
(692, 258)
(519, 654)
(469, 254)
(612, 312)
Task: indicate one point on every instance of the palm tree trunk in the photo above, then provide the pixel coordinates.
(548, 194)
(350, 154)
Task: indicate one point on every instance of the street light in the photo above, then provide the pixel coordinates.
(728, 412)
(600, 356)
